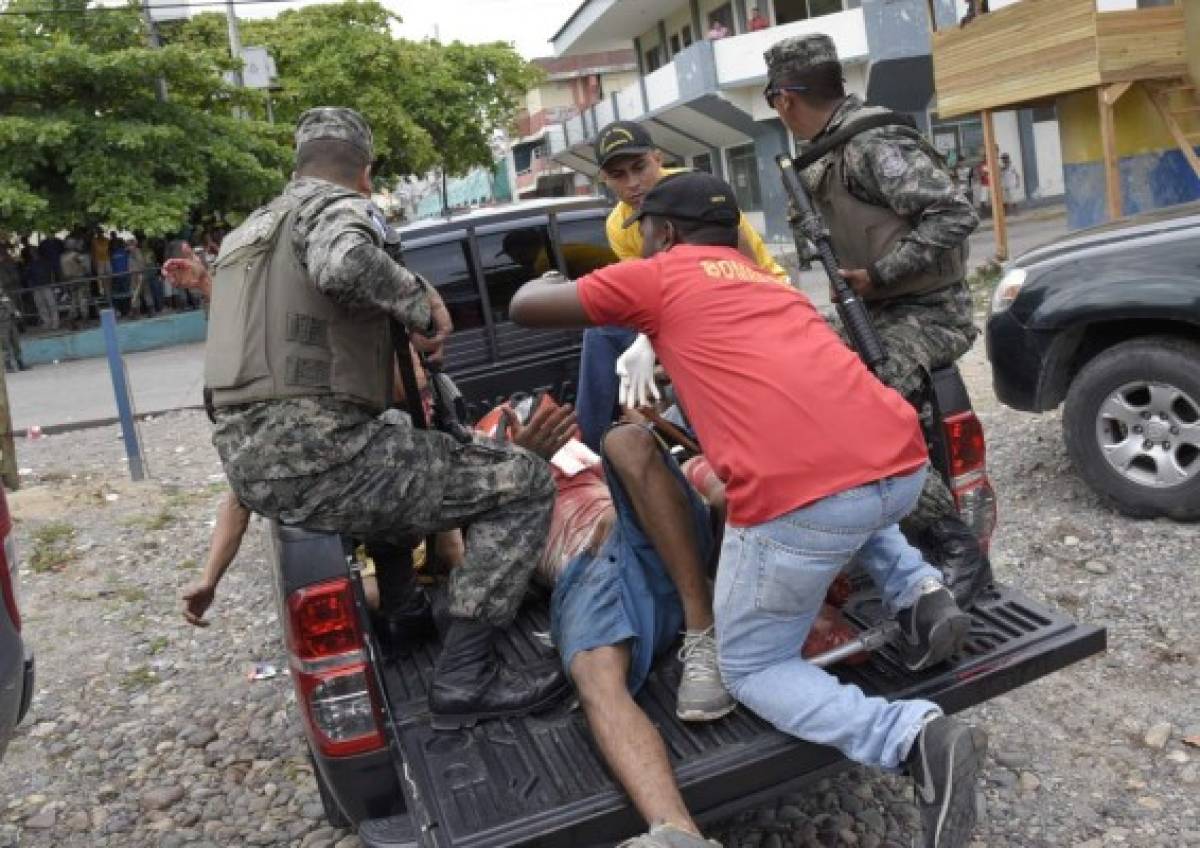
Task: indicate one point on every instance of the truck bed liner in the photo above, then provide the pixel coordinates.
(539, 780)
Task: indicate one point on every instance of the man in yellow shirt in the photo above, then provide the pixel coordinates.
(630, 166)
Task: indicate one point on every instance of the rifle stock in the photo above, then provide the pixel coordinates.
(863, 337)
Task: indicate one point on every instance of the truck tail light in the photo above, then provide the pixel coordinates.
(337, 693)
(10, 580)
(973, 493)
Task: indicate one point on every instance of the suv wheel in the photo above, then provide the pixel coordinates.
(1132, 427)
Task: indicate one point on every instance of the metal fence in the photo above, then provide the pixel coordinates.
(79, 301)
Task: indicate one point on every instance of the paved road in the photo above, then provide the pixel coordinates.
(81, 391)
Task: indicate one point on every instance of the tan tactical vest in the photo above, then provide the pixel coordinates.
(273, 335)
(863, 232)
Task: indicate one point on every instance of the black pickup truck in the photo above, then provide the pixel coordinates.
(538, 780)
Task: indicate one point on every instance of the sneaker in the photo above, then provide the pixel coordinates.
(944, 763)
(933, 628)
(702, 695)
(669, 836)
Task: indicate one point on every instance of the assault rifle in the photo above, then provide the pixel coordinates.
(806, 221)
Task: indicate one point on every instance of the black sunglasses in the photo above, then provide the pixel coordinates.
(773, 91)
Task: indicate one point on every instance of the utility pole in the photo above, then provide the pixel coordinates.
(235, 42)
(160, 84)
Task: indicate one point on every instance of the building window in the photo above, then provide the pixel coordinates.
(724, 14)
(702, 162)
(654, 58)
(674, 44)
(743, 176)
(788, 11)
(1044, 113)
(686, 35)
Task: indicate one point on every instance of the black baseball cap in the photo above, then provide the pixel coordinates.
(692, 196)
(621, 138)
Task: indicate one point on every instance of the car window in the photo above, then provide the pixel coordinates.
(512, 258)
(448, 267)
(584, 246)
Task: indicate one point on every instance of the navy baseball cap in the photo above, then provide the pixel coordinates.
(691, 196)
(621, 138)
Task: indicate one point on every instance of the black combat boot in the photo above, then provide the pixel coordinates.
(950, 546)
(405, 616)
(471, 683)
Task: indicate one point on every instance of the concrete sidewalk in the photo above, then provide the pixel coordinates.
(80, 391)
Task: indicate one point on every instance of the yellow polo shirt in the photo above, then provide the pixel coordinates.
(626, 242)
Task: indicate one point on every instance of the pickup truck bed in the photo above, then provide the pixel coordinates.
(539, 781)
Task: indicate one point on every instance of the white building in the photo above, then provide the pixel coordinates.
(702, 102)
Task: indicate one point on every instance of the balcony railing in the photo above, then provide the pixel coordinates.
(738, 62)
(740, 58)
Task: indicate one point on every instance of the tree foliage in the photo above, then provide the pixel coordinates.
(428, 104)
(83, 138)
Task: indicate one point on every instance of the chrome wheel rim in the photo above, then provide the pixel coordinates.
(1149, 433)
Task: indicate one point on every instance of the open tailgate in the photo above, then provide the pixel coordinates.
(539, 780)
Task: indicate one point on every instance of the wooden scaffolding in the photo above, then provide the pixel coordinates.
(1034, 50)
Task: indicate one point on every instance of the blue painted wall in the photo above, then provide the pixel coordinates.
(1148, 181)
(145, 334)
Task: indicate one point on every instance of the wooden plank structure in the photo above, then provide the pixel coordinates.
(1035, 50)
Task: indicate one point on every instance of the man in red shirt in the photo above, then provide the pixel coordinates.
(820, 461)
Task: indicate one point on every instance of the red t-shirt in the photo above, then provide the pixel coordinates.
(786, 413)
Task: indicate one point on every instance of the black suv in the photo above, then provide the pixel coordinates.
(538, 780)
(1106, 321)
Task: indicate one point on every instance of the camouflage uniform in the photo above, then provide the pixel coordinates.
(331, 464)
(887, 167)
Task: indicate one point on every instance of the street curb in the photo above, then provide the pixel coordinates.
(987, 225)
(72, 426)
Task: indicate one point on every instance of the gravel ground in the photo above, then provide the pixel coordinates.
(145, 731)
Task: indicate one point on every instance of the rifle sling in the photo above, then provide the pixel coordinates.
(840, 137)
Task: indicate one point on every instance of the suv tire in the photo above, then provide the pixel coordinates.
(1131, 423)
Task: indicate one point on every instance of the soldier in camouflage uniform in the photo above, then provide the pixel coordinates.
(298, 368)
(899, 226)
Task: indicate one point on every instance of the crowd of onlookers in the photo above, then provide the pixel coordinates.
(62, 281)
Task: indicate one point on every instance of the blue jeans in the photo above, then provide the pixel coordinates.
(596, 400)
(770, 586)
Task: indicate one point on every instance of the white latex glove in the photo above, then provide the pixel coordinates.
(635, 368)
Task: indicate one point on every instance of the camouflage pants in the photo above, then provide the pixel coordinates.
(409, 483)
(920, 334)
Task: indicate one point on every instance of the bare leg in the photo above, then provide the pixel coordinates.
(665, 516)
(628, 741)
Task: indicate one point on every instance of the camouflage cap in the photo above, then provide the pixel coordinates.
(337, 123)
(799, 54)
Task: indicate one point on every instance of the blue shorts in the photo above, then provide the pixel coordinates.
(624, 594)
